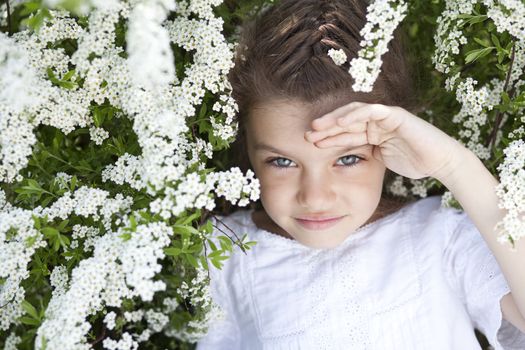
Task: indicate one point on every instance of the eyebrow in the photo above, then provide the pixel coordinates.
(265, 147)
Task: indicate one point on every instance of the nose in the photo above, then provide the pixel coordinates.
(316, 192)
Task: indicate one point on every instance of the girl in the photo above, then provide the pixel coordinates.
(338, 264)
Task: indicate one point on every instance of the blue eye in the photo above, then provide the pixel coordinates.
(283, 163)
(349, 162)
(280, 162)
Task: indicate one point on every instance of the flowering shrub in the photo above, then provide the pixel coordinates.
(111, 112)
(104, 150)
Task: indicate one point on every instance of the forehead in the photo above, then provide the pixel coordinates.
(288, 117)
(296, 109)
(281, 124)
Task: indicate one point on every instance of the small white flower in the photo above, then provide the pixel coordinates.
(338, 56)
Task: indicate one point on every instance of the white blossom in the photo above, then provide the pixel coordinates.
(98, 135)
(511, 192)
(382, 18)
(150, 56)
(109, 320)
(338, 56)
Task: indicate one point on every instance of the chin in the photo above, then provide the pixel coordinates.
(324, 244)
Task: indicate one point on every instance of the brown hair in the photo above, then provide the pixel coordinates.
(283, 54)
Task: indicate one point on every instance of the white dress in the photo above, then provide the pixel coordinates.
(420, 278)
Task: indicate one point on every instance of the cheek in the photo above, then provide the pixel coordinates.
(275, 186)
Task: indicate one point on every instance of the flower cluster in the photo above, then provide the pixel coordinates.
(478, 103)
(74, 74)
(118, 270)
(18, 242)
(383, 17)
(511, 192)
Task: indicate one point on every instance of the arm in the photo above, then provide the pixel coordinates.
(414, 148)
(474, 188)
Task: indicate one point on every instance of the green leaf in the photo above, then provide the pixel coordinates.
(171, 251)
(64, 241)
(505, 97)
(495, 41)
(217, 264)
(125, 236)
(204, 263)
(30, 7)
(189, 219)
(67, 85)
(30, 309)
(474, 55)
(56, 245)
(225, 242)
(185, 243)
(215, 253)
(36, 220)
(185, 230)
(46, 201)
(30, 241)
(63, 225)
(191, 259)
(471, 20)
(68, 75)
(482, 42)
(203, 111)
(133, 223)
(33, 184)
(212, 245)
(501, 56)
(50, 232)
(29, 321)
(73, 183)
(207, 227)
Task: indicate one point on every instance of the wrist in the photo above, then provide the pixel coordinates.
(462, 162)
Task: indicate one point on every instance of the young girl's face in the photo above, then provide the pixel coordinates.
(301, 181)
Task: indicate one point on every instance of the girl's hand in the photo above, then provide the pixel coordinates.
(405, 143)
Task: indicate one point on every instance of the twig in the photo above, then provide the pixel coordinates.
(499, 116)
(12, 299)
(234, 242)
(101, 336)
(222, 222)
(206, 257)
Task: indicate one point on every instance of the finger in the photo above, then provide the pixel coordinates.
(343, 140)
(365, 113)
(376, 153)
(323, 123)
(314, 136)
(330, 118)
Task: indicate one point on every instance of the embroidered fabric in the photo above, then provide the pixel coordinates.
(401, 282)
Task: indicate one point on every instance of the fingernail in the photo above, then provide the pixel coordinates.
(342, 121)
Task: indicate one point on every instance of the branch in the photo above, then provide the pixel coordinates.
(222, 222)
(101, 336)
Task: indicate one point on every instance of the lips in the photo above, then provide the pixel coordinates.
(318, 223)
